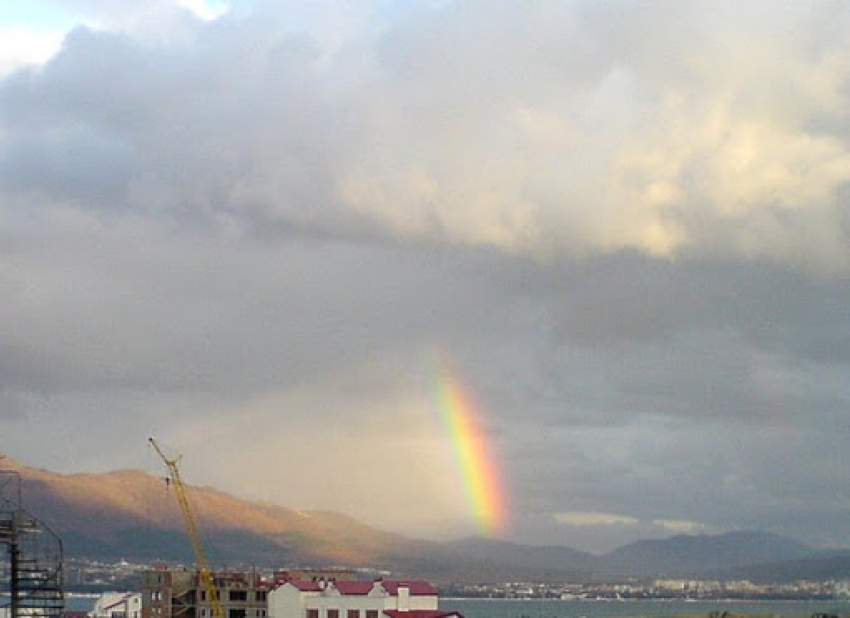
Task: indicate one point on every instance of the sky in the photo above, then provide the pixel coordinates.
(562, 272)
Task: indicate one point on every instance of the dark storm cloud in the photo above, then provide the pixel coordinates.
(710, 376)
(781, 312)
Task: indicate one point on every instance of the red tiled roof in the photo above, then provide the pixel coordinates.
(420, 588)
(354, 587)
(304, 585)
(349, 587)
(421, 613)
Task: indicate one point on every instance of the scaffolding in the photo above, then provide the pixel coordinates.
(31, 579)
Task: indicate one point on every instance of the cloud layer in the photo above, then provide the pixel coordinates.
(251, 229)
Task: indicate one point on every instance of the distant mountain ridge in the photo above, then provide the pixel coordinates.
(704, 554)
(133, 515)
(112, 513)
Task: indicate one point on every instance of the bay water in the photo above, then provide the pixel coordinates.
(553, 608)
(544, 608)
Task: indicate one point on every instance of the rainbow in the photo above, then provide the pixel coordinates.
(477, 466)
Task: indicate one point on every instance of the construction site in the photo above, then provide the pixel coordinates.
(31, 583)
(31, 578)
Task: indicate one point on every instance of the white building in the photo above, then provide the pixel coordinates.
(356, 599)
(118, 605)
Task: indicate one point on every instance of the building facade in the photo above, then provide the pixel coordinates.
(170, 593)
(118, 605)
(355, 599)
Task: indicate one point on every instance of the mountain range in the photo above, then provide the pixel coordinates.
(129, 514)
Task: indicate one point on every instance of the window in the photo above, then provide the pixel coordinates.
(333, 613)
(238, 595)
(237, 613)
(312, 613)
(371, 613)
(261, 595)
(353, 613)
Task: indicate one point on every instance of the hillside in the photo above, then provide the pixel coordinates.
(700, 555)
(818, 566)
(133, 515)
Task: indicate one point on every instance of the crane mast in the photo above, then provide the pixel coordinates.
(204, 572)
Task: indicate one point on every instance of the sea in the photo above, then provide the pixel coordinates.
(540, 608)
(544, 608)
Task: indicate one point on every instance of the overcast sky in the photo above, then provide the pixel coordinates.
(260, 231)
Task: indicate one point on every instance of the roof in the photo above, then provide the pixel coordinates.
(421, 613)
(304, 585)
(354, 587)
(120, 601)
(111, 600)
(420, 588)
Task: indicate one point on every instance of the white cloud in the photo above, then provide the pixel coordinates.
(26, 46)
(204, 9)
(585, 518)
(680, 526)
(605, 132)
(709, 153)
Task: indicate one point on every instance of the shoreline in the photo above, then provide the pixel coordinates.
(718, 600)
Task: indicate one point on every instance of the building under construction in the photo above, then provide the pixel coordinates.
(169, 593)
(31, 570)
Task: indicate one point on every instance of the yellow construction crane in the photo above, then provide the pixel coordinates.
(204, 573)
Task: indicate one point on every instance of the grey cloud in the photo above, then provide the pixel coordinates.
(72, 164)
(488, 135)
(707, 474)
(629, 297)
(632, 252)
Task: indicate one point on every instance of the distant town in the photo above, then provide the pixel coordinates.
(93, 577)
(678, 589)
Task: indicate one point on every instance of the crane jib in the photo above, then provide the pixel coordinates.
(204, 572)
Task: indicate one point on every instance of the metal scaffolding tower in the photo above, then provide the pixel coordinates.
(31, 581)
